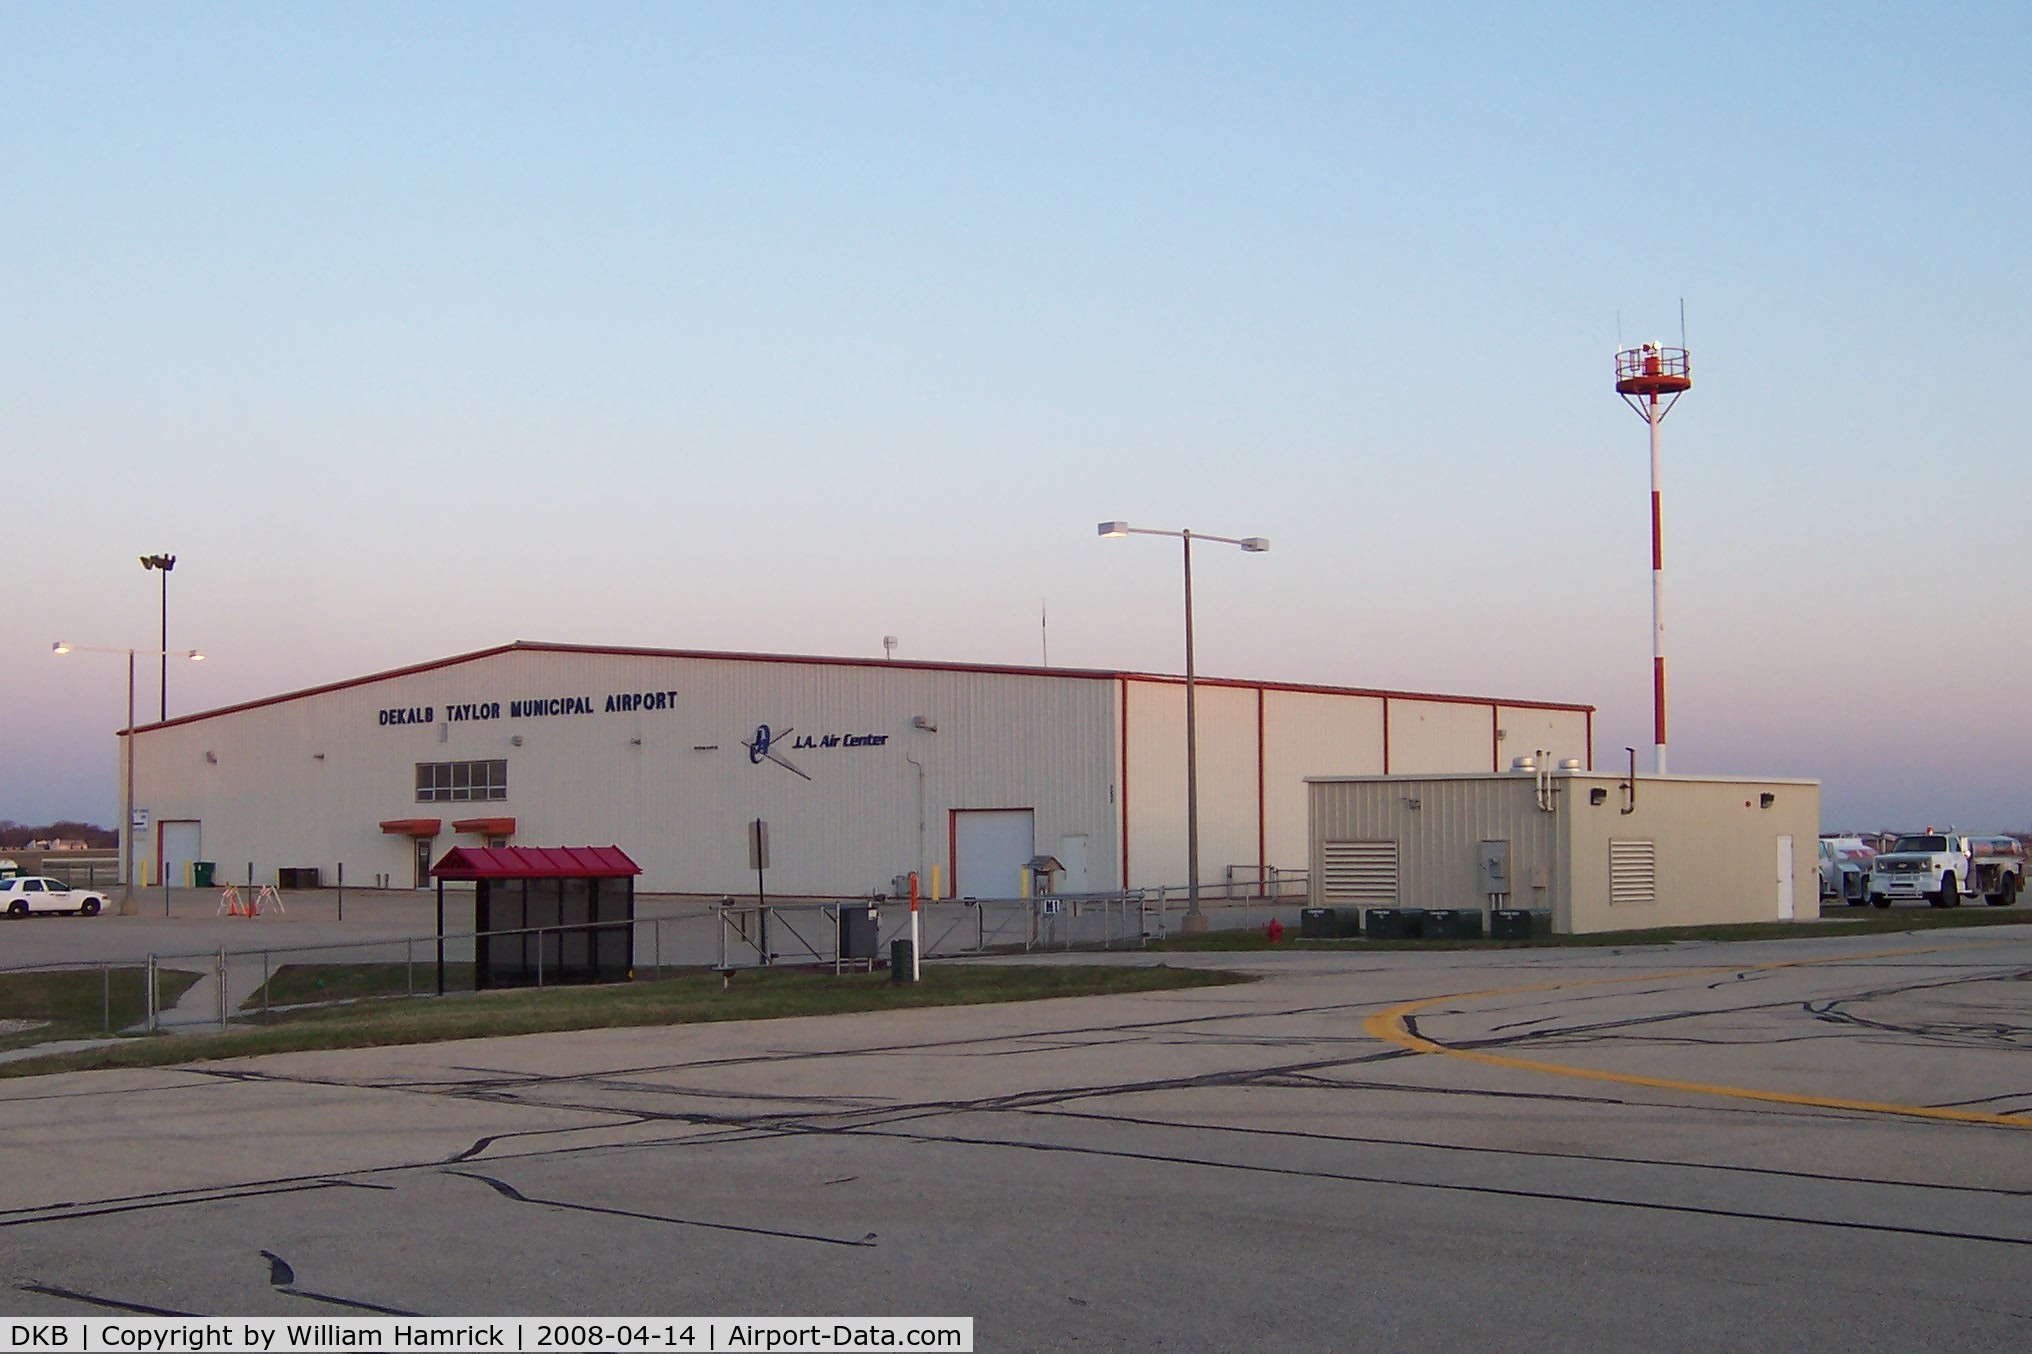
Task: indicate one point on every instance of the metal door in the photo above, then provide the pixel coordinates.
(422, 861)
(1072, 853)
(990, 848)
(1785, 906)
(181, 843)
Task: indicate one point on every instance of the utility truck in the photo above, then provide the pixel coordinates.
(1946, 867)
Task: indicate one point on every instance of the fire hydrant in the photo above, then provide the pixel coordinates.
(1275, 930)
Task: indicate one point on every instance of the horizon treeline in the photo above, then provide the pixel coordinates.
(14, 836)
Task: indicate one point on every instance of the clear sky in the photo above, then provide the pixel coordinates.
(412, 329)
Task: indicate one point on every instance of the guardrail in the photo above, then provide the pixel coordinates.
(757, 935)
(1263, 881)
(89, 872)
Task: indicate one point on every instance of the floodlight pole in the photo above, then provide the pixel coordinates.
(1195, 918)
(164, 563)
(127, 809)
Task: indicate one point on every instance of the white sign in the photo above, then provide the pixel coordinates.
(343, 1335)
(140, 819)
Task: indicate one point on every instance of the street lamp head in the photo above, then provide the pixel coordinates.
(59, 647)
(1256, 545)
(196, 657)
(1114, 528)
(162, 562)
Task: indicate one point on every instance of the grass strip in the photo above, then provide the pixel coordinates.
(692, 997)
(1873, 922)
(76, 1003)
(295, 983)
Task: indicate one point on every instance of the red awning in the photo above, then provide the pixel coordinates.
(413, 827)
(536, 862)
(486, 827)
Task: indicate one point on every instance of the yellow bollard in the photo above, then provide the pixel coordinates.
(934, 882)
(1026, 881)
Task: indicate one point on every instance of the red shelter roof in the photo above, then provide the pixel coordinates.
(536, 862)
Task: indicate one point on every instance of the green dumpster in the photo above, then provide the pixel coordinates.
(201, 873)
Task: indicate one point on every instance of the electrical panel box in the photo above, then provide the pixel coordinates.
(1495, 858)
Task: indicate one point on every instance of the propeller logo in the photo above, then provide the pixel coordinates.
(762, 748)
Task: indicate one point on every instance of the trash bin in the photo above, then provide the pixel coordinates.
(902, 962)
(201, 873)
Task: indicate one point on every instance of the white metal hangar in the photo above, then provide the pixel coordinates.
(864, 769)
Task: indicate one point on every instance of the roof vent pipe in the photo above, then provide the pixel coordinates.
(1524, 766)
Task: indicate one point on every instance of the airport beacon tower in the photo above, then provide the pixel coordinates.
(1651, 379)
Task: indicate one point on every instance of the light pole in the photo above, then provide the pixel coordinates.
(127, 794)
(1195, 920)
(165, 563)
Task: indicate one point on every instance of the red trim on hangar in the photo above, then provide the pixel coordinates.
(1125, 783)
(986, 669)
(485, 827)
(412, 827)
(536, 862)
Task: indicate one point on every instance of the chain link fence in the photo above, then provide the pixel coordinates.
(216, 988)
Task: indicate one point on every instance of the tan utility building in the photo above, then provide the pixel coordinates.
(1600, 852)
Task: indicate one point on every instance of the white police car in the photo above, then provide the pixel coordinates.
(34, 893)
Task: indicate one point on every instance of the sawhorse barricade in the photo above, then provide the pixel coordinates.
(231, 905)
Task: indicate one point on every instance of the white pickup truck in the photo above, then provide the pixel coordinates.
(1944, 868)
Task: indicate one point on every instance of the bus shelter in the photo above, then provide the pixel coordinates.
(544, 915)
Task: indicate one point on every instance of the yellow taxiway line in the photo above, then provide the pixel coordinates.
(1390, 1025)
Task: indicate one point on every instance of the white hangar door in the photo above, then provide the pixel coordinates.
(182, 843)
(990, 848)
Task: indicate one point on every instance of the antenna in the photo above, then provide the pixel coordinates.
(1644, 374)
(1044, 628)
(889, 646)
(1682, 324)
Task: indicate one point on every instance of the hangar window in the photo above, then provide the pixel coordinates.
(446, 782)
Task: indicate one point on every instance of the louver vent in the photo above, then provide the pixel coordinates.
(1361, 873)
(1633, 873)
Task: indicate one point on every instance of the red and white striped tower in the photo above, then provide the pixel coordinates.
(1651, 379)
